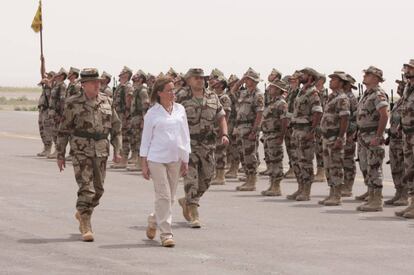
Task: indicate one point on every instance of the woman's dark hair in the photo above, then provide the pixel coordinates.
(159, 86)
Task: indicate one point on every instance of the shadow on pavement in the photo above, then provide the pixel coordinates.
(384, 219)
(72, 238)
(277, 200)
(340, 211)
(221, 190)
(313, 205)
(249, 196)
(146, 244)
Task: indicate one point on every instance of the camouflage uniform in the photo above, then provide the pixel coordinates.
(306, 104)
(44, 123)
(105, 88)
(407, 124)
(220, 153)
(120, 104)
(201, 115)
(139, 106)
(335, 108)
(57, 103)
(319, 139)
(273, 115)
(73, 89)
(290, 146)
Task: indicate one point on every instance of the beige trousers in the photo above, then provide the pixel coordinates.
(165, 177)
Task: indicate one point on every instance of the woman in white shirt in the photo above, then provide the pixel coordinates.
(165, 149)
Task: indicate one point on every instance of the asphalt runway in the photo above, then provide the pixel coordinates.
(242, 232)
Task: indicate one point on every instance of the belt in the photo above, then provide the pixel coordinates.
(203, 136)
(94, 136)
(407, 130)
(368, 129)
(330, 133)
(301, 125)
(239, 122)
(271, 131)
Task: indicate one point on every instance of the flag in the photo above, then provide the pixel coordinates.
(37, 20)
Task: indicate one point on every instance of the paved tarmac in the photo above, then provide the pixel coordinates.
(242, 233)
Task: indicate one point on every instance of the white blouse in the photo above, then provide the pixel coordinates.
(165, 137)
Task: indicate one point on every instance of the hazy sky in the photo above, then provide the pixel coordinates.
(230, 35)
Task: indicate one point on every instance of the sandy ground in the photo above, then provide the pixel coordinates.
(242, 233)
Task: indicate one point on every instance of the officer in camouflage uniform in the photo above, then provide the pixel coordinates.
(87, 121)
(320, 170)
(396, 152)
(274, 76)
(334, 124)
(350, 145)
(292, 93)
(139, 106)
(372, 117)
(407, 125)
(274, 126)
(150, 83)
(249, 116)
(213, 78)
(203, 109)
(57, 103)
(74, 87)
(43, 106)
(122, 102)
(307, 111)
(221, 149)
(106, 79)
(233, 156)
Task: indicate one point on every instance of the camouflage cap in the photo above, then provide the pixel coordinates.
(150, 76)
(310, 71)
(215, 73)
(351, 81)
(89, 74)
(339, 74)
(106, 75)
(253, 75)
(276, 72)
(161, 74)
(194, 72)
(138, 75)
(375, 71)
(51, 73)
(125, 70)
(286, 78)
(61, 72)
(295, 75)
(410, 64)
(279, 84)
(222, 78)
(233, 78)
(73, 71)
(172, 72)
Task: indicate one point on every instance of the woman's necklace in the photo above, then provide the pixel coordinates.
(168, 108)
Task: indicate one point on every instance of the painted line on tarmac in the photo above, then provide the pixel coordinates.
(15, 135)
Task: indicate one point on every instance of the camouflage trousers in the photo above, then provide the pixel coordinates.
(220, 155)
(45, 128)
(333, 160)
(265, 148)
(249, 153)
(370, 163)
(396, 154)
(232, 150)
(201, 168)
(90, 176)
(302, 157)
(289, 145)
(136, 134)
(275, 157)
(408, 148)
(319, 149)
(349, 161)
(126, 135)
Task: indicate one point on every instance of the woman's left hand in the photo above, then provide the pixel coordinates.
(184, 168)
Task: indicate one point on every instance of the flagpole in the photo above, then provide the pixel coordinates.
(42, 58)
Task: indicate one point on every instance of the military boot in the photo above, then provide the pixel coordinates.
(375, 204)
(273, 190)
(331, 193)
(403, 200)
(195, 220)
(305, 194)
(45, 152)
(184, 206)
(368, 198)
(232, 173)
(87, 233)
(363, 197)
(219, 180)
(250, 184)
(396, 197)
(122, 164)
(134, 157)
(290, 174)
(296, 193)
(346, 190)
(52, 155)
(335, 199)
(243, 178)
(320, 175)
(136, 167)
(78, 218)
(409, 209)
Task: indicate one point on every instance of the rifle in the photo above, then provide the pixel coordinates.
(113, 85)
(359, 91)
(392, 100)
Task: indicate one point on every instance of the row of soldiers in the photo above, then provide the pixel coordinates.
(294, 110)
